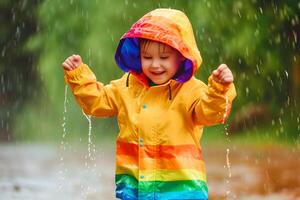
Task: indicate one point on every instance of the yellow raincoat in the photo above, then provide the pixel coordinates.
(158, 152)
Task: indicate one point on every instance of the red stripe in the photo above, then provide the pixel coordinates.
(158, 151)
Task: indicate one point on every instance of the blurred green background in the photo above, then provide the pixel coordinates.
(258, 39)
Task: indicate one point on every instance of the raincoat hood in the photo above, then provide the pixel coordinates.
(168, 26)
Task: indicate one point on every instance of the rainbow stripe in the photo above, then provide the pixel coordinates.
(160, 172)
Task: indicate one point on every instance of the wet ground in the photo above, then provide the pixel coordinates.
(42, 172)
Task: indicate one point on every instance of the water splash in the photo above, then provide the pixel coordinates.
(63, 143)
(228, 166)
(90, 162)
(65, 112)
(228, 162)
(88, 117)
(229, 195)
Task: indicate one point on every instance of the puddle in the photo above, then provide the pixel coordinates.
(31, 171)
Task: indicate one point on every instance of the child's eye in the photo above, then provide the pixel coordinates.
(147, 57)
(164, 57)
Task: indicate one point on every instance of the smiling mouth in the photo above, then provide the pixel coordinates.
(157, 73)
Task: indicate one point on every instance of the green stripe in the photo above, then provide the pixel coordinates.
(161, 186)
(126, 179)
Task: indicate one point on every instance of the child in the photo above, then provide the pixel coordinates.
(161, 107)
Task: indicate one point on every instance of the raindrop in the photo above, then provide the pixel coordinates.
(288, 101)
(256, 33)
(295, 36)
(261, 10)
(238, 11)
(18, 33)
(3, 51)
(209, 39)
(257, 68)
(280, 122)
(270, 80)
(286, 73)
(255, 16)
(247, 91)
(228, 163)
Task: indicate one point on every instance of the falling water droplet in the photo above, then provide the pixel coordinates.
(228, 162)
(247, 91)
(286, 73)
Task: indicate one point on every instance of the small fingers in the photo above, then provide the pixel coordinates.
(76, 59)
(70, 63)
(226, 77)
(222, 67)
(66, 66)
(216, 73)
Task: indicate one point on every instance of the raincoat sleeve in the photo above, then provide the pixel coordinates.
(213, 104)
(93, 97)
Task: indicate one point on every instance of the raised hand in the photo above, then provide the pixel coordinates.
(72, 62)
(223, 75)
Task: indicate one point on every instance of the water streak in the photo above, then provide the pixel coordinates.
(229, 195)
(90, 162)
(63, 170)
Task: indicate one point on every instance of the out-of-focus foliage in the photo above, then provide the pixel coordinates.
(19, 79)
(91, 29)
(257, 39)
(260, 41)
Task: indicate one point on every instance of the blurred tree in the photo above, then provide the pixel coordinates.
(89, 28)
(258, 39)
(18, 73)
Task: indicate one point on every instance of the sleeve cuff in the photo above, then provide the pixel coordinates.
(77, 74)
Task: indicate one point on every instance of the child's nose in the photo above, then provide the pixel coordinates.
(155, 63)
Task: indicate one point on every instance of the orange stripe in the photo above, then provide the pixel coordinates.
(159, 151)
(161, 163)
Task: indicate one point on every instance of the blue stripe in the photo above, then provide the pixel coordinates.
(183, 195)
(126, 193)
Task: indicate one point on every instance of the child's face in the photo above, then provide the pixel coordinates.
(160, 62)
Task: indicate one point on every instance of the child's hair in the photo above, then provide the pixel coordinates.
(144, 44)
